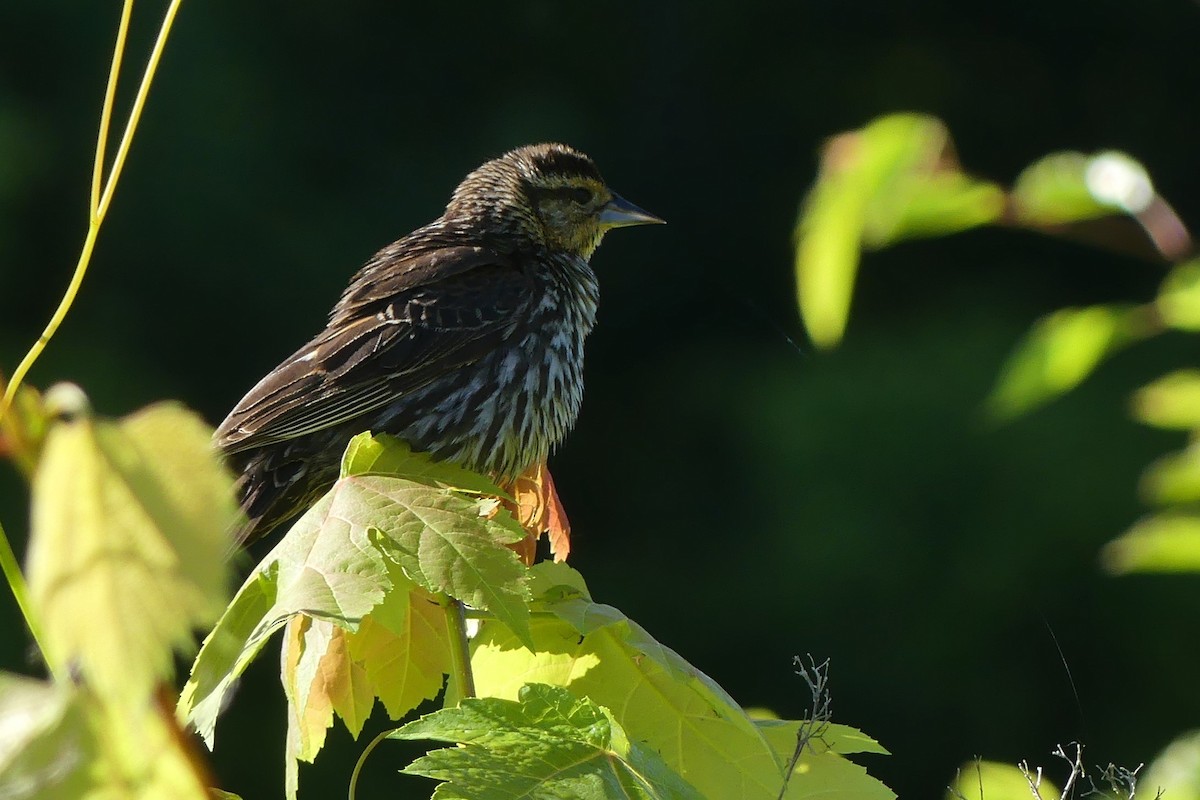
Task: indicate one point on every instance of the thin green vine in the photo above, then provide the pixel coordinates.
(98, 205)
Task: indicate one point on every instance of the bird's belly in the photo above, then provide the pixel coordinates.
(502, 414)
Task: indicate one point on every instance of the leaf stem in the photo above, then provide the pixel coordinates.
(460, 649)
(20, 590)
(362, 759)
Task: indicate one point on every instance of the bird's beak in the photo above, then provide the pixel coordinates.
(619, 213)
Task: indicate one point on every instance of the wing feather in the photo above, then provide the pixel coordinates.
(394, 331)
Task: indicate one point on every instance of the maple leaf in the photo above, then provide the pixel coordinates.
(536, 506)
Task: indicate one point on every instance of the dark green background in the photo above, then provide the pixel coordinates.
(742, 497)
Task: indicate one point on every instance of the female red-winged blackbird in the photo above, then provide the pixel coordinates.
(464, 339)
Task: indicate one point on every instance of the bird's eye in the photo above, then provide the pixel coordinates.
(578, 194)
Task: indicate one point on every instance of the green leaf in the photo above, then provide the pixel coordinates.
(445, 543)
(933, 204)
(1058, 353)
(547, 744)
(991, 780)
(1172, 401)
(60, 741)
(1179, 298)
(1073, 187)
(596, 652)
(323, 567)
(130, 528)
(380, 454)
(1174, 478)
(46, 748)
(891, 180)
(1175, 772)
(1167, 542)
(341, 559)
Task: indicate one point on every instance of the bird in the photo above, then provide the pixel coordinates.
(464, 339)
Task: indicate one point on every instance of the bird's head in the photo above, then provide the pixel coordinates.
(549, 192)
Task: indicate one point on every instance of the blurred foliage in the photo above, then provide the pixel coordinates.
(130, 525)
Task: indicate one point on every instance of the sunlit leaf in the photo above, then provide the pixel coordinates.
(991, 780)
(1175, 772)
(372, 534)
(46, 747)
(59, 741)
(933, 204)
(1179, 298)
(404, 646)
(1058, 353)
(821, 772)
(1168, 542)
(131, 523)
(1172, 401)
(891, 180)
(597, 652)
(380, 454)
(1174, 478)
(545, 744)
(1073, 187)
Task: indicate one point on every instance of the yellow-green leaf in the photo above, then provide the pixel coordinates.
(1168, 542)
(991, 780)
(1174, 478)
(1172, 401)
(131, 524)
(1073, 187)
(1179, 298)
(1175, 772)
(595, 651)
(1058, 353)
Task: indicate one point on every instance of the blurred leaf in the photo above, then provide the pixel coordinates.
(991, 780)
(1168, 542)
(1172, 401)
(891, 180)
(545, 744)
(933, 205)
(1072, 187)
(131, 524)
(46, 748)
(596, 652)
(1174, 478)
(23, 428)
(57, 741)
(1179, 298)
(1175, 772)
(1058, 353)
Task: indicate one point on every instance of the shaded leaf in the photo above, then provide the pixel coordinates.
(130, 526)
(1172, 401)
(547, 744)
(991, 780)
(1162, 543)
(1058, 353)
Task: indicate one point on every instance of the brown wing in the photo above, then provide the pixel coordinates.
(404, 321)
